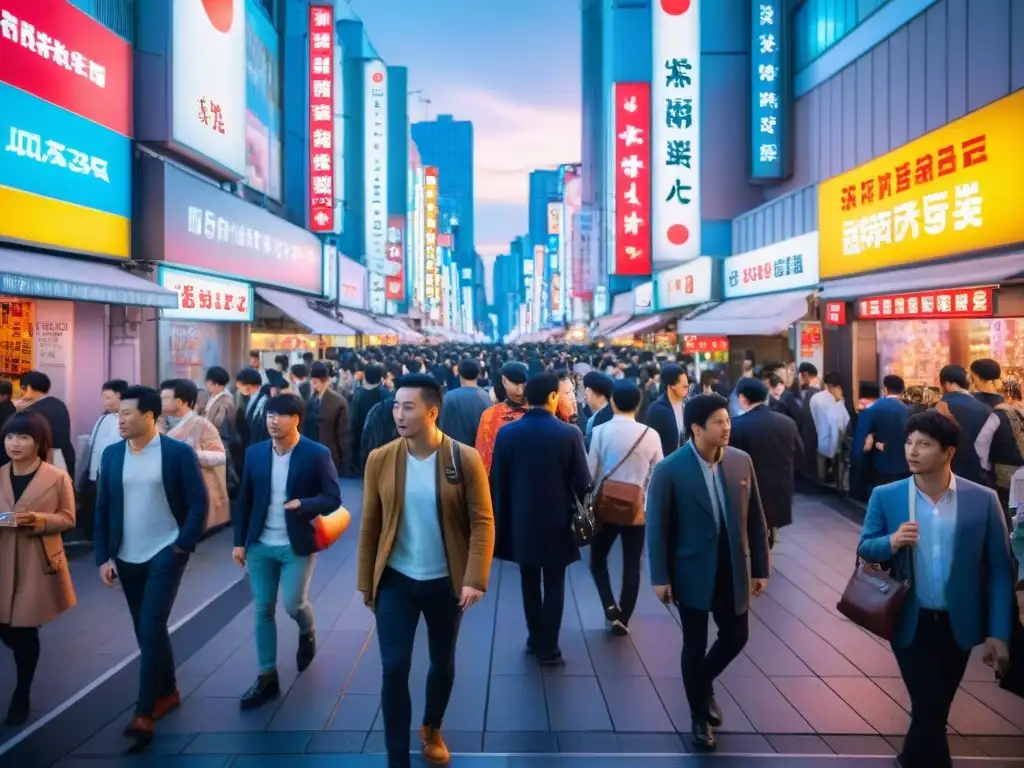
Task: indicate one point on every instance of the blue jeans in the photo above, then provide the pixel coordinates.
(271, 568)
(150, 589)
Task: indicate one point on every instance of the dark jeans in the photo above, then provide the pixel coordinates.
(24, 642)
(150, 589)
(400, 601)
(632, 549)
(543, 611)
(932, 667)
(86, 508)
(701, 666)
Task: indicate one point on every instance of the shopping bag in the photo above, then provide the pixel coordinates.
(327, 529)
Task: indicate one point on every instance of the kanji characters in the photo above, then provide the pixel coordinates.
(677, 193)
(678, 152)
(678, 73)
(678, 113)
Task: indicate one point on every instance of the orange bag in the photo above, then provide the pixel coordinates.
(327, 529)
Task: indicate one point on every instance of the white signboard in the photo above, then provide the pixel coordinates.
(676, 122)
(208, 56)
(375, 146)
(783, 266)
(643, 298)
(351, 283)
(686, 285)
(204, 297)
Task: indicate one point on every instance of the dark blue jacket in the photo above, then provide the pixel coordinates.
(183, 485)
(886, 419)
(312, 479)
(971, 414)
(662, 419)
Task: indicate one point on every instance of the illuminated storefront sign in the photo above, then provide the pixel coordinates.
(676, 124)
(783, 266)
(375, 152)
(394, 283)
(351, 283)
(954, 190)
(431, 252)
(632, 179)
(928, 305)
(321, 118)
(835, 313)
(262, 102)
(696, 345)
(685, 285)
(203, 297)
(643, 298)
(770, 79)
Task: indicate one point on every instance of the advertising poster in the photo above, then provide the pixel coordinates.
(321, 119)
(375, 153)
(262, 104)
(632, 179)
(394, 284)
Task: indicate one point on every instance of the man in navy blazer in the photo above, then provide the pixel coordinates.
(288, 482)
(151, 505)
(885, 421)
(665, 415)
(954, 551)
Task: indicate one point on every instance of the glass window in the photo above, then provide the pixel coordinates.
(820, 24)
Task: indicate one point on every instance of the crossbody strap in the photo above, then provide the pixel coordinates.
(628, 454)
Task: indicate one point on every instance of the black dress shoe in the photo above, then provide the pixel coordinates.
(307, 650)
(703, 736)
(18, 711)
(715, 718)
(552, 659)
(531, 649)
(263, 690)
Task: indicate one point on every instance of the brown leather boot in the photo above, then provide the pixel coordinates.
(166, 705)
(140, 729)
(435, 751)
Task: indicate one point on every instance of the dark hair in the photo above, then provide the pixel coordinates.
(940, 428)
(250, 377)
(540, 387)
(953, 374)
(115, 385)
(987, 369)
(36, 380)
(772, 366)
(894, 384)
(671, 374)
(598, 382)
(833, 379)
(281, 360)
(307, 357)
(287, 404)
(469, 369)
(299, 371)
(218, 376)
(699, 409)
(709, 378)
(254, 353)
(429, 389)
(319, 371)
(183, 389)
(773, 380)
(809, 368)
(6, 388)
(414, 365)
(33, 425)
(626, 396)
(754, 390)
(147, 399)
(373, 373)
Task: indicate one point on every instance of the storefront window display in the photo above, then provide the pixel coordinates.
(17, 351)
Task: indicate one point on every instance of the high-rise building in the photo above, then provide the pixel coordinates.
(508, 286)
(543, 190)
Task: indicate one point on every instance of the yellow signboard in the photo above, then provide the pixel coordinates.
(955, 190)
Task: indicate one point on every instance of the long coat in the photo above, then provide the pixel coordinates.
(334, 431)
(539, 463)
(774, 444)
(35, 583)
(204, 438)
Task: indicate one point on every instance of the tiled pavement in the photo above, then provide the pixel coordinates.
(809, 683)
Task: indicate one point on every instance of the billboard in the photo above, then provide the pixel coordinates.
(686, 285)
(394, 283)
(262, 103)
(351, 283)
(431, 252)
(321, 118)
(770, 81)
(632, 179)
(208, 80)
(375, 153)
(65, 128)
(676, 184)
(206, 298)
(783, 266)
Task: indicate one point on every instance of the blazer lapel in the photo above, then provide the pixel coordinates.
(293, 467)
(700, 486)
(398, 499)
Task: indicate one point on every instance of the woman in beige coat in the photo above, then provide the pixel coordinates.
(37, 503)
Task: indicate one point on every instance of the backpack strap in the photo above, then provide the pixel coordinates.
(453, 474)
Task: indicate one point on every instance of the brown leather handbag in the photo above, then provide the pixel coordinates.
(620, 503)
(873, 598)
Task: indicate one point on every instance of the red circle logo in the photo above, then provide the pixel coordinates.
(678, 234)
(675, 7)
(221, 14)
(378, 77)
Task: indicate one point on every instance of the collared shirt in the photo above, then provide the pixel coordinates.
(713, 480)
(933, 555)
(275, 527)
(104, 434)
(149, 525)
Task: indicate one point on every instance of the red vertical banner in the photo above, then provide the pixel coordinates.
(394, 252)
(632, 178)
(321, 118)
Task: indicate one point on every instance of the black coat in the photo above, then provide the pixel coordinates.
(775, 447)
(539, 463)
(662, 419)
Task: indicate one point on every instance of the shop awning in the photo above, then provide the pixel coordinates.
(406, 333)
(767, 315)
(298, 309)
(44, 276)
(607, 324)
(988, 270)
(365, 324)
(644, 324)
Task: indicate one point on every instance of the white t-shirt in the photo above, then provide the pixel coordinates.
(418, 551)
(275, 529)
(149, 525)
(677, 408)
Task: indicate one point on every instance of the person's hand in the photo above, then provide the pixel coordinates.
(757, 586)
(470, 597)
(293, 504)
(869, 444)
(238, 556)
(996, 655)
(108, 574)
(367, 601)
(907, 535)
(879, 446)
(25, 519)
(664, 593)
(177, 550)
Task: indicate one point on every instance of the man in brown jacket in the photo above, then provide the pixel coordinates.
(425, 547)
(328, 419)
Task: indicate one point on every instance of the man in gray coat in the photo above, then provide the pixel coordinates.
(707, 545)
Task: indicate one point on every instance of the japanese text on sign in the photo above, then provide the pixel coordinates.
(205, 223)
(767, 270)
(375, 148)
(769, 89)
(205, 297)
(321, 119)
(35, 147)
(693, 345)
(835, 313)
(20, 32)
(952, 303)
(211, 115)
(632, 179)
(432, 267)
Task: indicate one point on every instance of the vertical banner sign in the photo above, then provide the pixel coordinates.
(375, 138)
(321, 118)
(632, 179)
(431, 267)
(769, 91)
(676, 130)
(394, 285)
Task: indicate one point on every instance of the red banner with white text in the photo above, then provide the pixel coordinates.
(632, 138)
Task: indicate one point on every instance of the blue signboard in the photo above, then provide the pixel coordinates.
(770, 89)
(50, 152)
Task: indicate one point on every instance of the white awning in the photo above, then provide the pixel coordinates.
(365, 324)
(607, 324)
(644, 324)
(298, 309)
(71, 278)
(767, 315)
(988, 270)
(406, 333)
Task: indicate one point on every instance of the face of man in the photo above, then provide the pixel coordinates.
(514, 392)
(131, 422)
(320, 385)
(924, 454)
(836, 392)
(716, 431)
(594, 400)
(412, 416)
(247, 389)
(680, 388)
(111, 401)
(567, 394)
(282, 426)
(172, 406)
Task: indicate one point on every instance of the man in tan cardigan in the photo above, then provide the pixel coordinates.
(425, 547)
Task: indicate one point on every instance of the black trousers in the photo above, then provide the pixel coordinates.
(632, 548)
(86, 508)
(543, 611)
(400, 601)
(700, 666)
(932, 667)
(24, 642)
